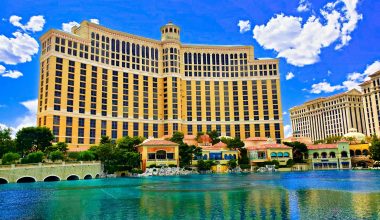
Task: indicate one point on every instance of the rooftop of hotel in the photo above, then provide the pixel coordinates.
(157, 142)
(322, 146)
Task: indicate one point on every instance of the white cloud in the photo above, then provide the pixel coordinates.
(325, 87)
(289, 76)
(94, 20)
(303, 6)
(287, 131)
(352, 80)
(18, 49)
(300, 42)
(67, 26)
(9, 73)
(244, 26)
(27, 120)
(284, 113)
(35, 23)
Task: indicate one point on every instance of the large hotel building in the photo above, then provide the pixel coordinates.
(331, 116)
(371, 98)
(96, 81)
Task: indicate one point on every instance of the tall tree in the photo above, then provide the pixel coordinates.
(214, 135)
(6, 142)
(374, 149)
(129, 143)
(299, 149)
(177, 137)
(31, 139)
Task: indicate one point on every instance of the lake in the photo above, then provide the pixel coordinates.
(288, 195)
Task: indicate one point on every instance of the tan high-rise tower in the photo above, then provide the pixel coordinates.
(96, 81)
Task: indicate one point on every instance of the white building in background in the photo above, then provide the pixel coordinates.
(330, 116)
(371, 97)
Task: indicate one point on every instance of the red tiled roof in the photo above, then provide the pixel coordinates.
(256, 139)
(220, 144)
(322, 146)
(157, 142)
(217, 146)
(268, 146)
(189, 137)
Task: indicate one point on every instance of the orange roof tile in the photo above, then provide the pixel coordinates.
(157, 142)
(256, 139)
(322, 146)
(268, 146)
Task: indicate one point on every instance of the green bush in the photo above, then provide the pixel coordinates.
(10, 158)
(172, 165)
(73, 155)
(35, 157)
(290, 163)
(136, 170)
(56, 155)
(205, 165)
(152, 166)
(86, 156)
(245, 166)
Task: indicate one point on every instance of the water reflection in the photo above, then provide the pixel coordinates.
(330, 195)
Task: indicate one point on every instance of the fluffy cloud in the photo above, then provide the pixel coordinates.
(289, 76)
(287, 131)
(9, 73)
(94, 20)
(28, 119)
(325, 87)
(300, 42)
(303, 6)
(352, 80)
(17, 49)
(35, 23)
(284, 113)
(244, 26)
(67, 26)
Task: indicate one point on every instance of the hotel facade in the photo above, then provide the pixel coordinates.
(371, 97)
(96, 81)
(331, 116)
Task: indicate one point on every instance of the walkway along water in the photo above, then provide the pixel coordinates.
(18, 173)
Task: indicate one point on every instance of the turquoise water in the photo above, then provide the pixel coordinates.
(293, 195)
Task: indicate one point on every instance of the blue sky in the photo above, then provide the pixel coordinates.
(324, 47)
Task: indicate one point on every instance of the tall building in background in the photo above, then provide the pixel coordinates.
(96, 81)
(331, 116)
(371, 97)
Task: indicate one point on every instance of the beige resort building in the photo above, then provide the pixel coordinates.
(97, 81)
(331, 116)
(371, 97)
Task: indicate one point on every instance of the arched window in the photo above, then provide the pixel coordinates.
(205, 157)
(365, 152)
(225, 156)
(273, 154)
(286, 154)
(315, 155)
(332, 154)
(235, 156)
(358, 152)
(161, 154)
(352, 153)
(323, 154)
(344, 154)
(279, 154)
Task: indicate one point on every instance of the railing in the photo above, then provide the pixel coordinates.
(33, 165)
(161, 160)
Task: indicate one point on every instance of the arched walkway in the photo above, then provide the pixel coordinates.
(332, 154)
(26, 179)
(365, 152)
(87, 177)
(343, 154)
(358, 152)
(324, 155)
(97, 176)
(72, 177)
(3, 181)
(51, 179)
(315, 155)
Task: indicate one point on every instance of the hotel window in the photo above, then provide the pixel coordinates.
(115, 95)
(199, 128)
(226, 101)
(155, 130)
(93, 90)
(146, 130)
(228, 130)
(104, 92)
(58, 84)
(135, 129)
(125, 129)
(189, 129)
(267, 130)
(81, 123)
(103, 128)
(257, 130)
(275, 100)
(247, 130)
(136, 96)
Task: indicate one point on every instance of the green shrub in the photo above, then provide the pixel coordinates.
(172, 165)
(73, 155)
(86, 156)
(35, 157)
(290, 163)
(136, 170)
(245, 166)
(10, 158)
(56, 155)
(152, 166)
